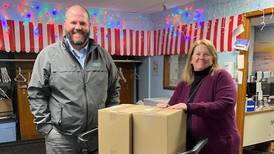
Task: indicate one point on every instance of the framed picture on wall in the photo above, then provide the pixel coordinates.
(173, 68)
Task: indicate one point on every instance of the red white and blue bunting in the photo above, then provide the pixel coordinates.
(20, 37)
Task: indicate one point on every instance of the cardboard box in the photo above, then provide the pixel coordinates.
(155, 101)
(159, 131)
(115, 128)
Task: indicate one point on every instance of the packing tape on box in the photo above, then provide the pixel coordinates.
(115, 109)
(112, 115)
(152, 110)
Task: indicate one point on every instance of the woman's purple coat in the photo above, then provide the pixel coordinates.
(213, 113)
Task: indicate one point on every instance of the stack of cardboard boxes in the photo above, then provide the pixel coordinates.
(139, 129)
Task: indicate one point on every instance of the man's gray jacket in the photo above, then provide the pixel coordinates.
(65, 95)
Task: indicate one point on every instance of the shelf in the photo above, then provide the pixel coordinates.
(271, 109)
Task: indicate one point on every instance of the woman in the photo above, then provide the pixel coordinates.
(208, 95)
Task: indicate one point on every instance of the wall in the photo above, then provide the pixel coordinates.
(152, 80)
(143, 79)
(263, 49)
(205, 10)
(29, 11)
(156, 79)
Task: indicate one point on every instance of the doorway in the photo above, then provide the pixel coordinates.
(127, 81)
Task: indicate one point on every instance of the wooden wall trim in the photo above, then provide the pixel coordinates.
(240, 113)
(259, 13)
(167, 73)
(241, 94)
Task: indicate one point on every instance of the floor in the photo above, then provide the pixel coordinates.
(246, 151)
(38, 147)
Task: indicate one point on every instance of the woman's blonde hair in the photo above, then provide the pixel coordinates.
(187, 74)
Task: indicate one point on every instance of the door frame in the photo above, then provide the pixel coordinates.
(241, 94)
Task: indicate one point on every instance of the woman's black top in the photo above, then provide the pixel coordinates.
(198, 77)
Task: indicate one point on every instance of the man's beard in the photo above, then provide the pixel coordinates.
(79, 42)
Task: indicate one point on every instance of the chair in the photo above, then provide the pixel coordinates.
(197, 148)
(84, 138)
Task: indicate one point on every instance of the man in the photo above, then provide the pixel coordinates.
(70, 81)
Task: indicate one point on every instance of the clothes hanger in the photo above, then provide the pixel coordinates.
(263, 22)
(2, 92)
(19, 77)
(122, 75)
(5, 75)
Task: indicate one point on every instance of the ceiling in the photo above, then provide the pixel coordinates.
(129, 6)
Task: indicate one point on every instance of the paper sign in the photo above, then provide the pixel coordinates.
(241, 44)
(238, 30)
(240, 61)
(240, 77)
(229, 67)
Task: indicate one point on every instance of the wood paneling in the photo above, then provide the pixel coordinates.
(241, 94)
(127, 87)
(27, 128)
(259, 13)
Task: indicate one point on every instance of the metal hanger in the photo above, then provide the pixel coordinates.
(2, 92)
(122, 75)
(5, 75)
(263, 22)
(19, 77)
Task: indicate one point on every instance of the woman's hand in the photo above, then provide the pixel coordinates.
(162, 105)
(182, 106)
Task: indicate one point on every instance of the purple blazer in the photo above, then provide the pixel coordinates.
(213, 113)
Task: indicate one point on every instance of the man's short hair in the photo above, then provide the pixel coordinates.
(78, 6)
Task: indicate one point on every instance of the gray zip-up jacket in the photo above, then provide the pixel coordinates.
(65, 95)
